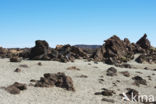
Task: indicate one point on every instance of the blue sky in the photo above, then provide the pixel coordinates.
(75, 21)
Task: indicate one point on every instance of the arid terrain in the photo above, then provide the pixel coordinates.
(71, 75)
(91, 78)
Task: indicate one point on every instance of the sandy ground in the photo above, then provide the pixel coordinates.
(85, 87)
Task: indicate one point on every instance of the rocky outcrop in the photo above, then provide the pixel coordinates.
(58, 80)
(114, 50)
(67, 53)
(61, 53)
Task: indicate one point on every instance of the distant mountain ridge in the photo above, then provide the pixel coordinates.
(87, 46)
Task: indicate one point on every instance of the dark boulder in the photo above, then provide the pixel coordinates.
(139, 80)
(40, 51)
(144, 42)
(17, 70)
(132, 93)
(105, 92)
(111, 71)
(68, 53)
(16, 88)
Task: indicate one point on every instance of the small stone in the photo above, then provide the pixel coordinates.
(138, 80)
(111, 71)
(146, 68)
(73, 68)
(125, 73)
(17, 70)
(106, 92)
(24, 66)
(83, 76)
(40, 64)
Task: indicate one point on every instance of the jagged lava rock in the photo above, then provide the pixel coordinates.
(111, 71)
(16, 88)
(114, 50)
(58, 80)
(40, 51)
(144, 42)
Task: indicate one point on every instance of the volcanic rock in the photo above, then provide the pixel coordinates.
(58, 80)
(40, 64)
(111, 71)
(17, 70)
(149, 58)
(69, 53)
(114, 51)
(16, 88)
(131, 93)
(125, 73)
(144, 42)
(106, 92)
(139, 80)
(73, 68)
(40, 51)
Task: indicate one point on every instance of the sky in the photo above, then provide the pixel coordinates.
(75, 21)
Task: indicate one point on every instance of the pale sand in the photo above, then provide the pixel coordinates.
(85, 87)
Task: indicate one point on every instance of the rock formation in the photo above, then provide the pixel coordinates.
(114, 50)
(40, 51)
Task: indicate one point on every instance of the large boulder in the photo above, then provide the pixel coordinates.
(40, 51)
